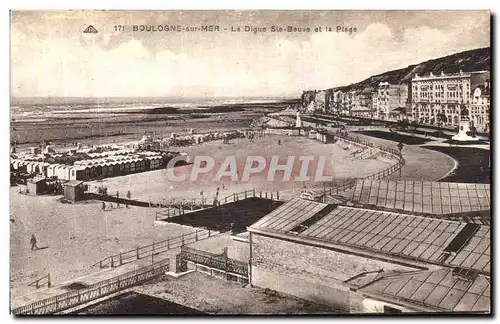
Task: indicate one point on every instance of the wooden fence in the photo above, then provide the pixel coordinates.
(173, 208)
(154, 249)
(103, 288)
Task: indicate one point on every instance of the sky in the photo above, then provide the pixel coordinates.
(51, 56)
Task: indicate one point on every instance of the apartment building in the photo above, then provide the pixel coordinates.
(439, 99)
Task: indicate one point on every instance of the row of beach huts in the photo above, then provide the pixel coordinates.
(93, 169)
(187, 140)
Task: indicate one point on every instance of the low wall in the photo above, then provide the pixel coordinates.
(309, 272)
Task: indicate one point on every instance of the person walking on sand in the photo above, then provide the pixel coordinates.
(117, 201)
(128, 198)
(103, 205)
(33, 242)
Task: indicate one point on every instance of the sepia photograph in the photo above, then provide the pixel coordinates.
(250, 162)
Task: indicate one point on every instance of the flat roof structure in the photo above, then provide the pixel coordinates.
(437, 198)
(440, 290)
(375, 232)
(290, 214)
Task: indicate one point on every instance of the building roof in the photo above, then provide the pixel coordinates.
(37, 179)
(424, 239)
(73, 183)
(440, 290)
(423, 197)
(289, 215)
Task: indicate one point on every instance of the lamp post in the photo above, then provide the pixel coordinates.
(400, 147)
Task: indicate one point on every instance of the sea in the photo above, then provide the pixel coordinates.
(41, 109)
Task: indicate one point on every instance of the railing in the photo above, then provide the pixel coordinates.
(173, 208)
(250, 194)
(185, 204)
(154, 249)
(217, 261)
(103, 288)
(39, 282)
(393, 153)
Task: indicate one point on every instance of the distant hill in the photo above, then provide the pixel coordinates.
(468, 61)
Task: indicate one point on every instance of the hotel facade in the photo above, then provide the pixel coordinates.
(439, 99)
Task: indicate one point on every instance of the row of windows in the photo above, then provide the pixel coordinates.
(441, 86)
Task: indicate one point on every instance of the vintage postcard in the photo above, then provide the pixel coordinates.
(250, 162)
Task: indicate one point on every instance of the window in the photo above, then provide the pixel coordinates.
(391, 310)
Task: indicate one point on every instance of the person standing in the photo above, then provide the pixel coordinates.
(128, 198)
(117, 201)
(33, 242)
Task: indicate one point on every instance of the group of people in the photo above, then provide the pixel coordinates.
(129, 195)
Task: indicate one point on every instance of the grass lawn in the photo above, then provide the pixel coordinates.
(405, 139)
(472, 164)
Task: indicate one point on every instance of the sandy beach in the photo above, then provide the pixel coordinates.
(72, 237)
(155, 185)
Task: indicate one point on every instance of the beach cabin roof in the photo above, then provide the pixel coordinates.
(37, 179)
(73, 183)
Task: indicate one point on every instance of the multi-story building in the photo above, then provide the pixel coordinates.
(348, 102)
(479, 109)
(319, 101)
(336, 102)
(390, 97)
(364, 104)
(375, 105)
(439, 99)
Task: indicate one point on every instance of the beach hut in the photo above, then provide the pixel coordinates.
(74, 190)
(59, 173)
(21, 166)
(155, 162)
(15, 164)
(79, 173)
(98, 170)
(39, 168)
(116, 168)
(147, 163)
(142, 165)
(51, 170)
(29, 167)
(107, 170)
(91, 171)
(44, 167)
(132, 165)
(121, 165)
(36, 186)
(127, 166)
